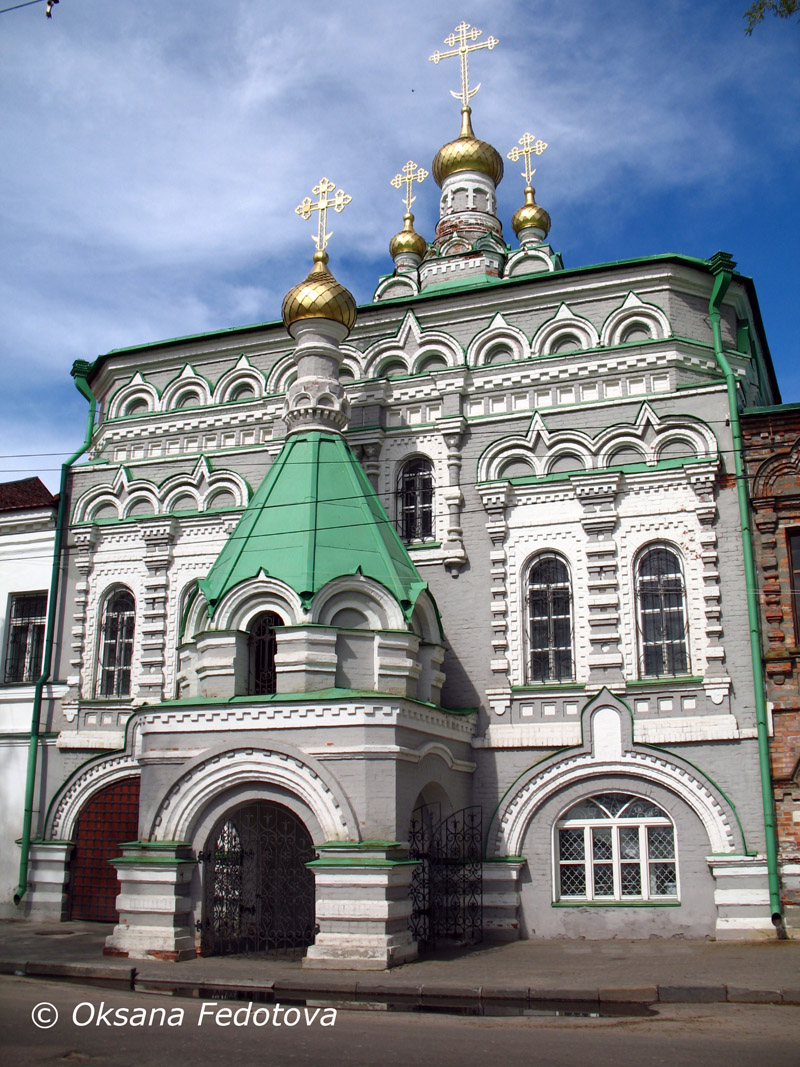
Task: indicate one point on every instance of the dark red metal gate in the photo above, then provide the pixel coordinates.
(109, 818)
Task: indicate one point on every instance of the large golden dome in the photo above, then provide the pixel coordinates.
(530, 215)
(319, 297)
(408, 240)
(467, 153)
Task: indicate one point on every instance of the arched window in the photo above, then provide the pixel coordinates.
(415, 501)
(616, 847)
(662, 614)
(550, 620)
(116, 644)
(261, 647)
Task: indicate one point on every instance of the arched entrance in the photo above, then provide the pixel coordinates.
(110, 817)
(258, 895)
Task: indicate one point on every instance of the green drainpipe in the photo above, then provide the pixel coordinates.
(80, 372)
(722, 267)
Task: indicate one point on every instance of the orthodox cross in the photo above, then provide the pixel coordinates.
(463, 33)
(337, 202)
(529, 146)
(410, 173)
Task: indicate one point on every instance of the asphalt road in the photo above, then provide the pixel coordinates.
(100, 1026)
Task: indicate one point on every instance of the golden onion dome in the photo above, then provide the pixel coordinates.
(408, 240)
(530, 215)
(319, 297)
(467, 153)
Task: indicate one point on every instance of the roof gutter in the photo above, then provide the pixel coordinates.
(80, 372)
(722, 267)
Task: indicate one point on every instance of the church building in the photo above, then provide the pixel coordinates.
(418, 620)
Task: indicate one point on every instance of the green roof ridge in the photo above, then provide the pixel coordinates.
(315, 517)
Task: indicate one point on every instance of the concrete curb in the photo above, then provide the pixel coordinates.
(344, 987)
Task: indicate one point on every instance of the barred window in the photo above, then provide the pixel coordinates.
(262, 645)
(662, 614)
(616, 847)
(26, 627)
(793, 539)
(415, 501)
(549, 620)
(116, 648)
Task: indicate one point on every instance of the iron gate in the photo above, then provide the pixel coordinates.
(447, 885)
(258, 893)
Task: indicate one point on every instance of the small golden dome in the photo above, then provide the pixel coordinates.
(530, 215)
(319, 297)
(408, 240)
(467, 153)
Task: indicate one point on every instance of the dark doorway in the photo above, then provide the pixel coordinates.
(110, 817)
(258, 893)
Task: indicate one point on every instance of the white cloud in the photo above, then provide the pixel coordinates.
(159, 149)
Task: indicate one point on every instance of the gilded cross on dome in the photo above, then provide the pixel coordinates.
(529, 147)
(337, 202)
(463, 33)
(410, 173)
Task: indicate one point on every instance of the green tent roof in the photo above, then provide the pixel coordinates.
(315, 517)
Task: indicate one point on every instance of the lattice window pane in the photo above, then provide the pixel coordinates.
(631, 880)
(573, 881)
(663, 880)
(604, 880)
(570, 843)
(601, 844)
(660, 843)
(629, 842)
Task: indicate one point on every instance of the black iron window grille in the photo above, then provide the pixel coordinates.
(415, 501)
(662, 614)
(616, 847)
(550, 620)
(116, 653)
(793, 541)
(26, 627)
(262, 645)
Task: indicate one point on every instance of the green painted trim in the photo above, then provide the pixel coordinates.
(351, 846)
(721, 266)
(506, 859)
(422, 545)
(367, 861)
(150, 861)
(668, 679)
(155, 846)
(616, 904)
(567, 687)
(80, 374)
(331, 695)
(708, 778)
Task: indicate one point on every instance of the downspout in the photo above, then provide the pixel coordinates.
(722, 267)
(80, 372)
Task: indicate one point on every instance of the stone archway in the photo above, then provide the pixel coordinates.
(258, 894)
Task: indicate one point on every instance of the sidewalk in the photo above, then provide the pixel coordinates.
(626, 972)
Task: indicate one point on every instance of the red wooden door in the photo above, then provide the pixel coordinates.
(109, 818)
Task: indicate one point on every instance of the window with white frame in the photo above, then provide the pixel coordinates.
(415, 501)
(661, 602)
(26, 625)
(116, 644)
(616, 847)
(549, 620)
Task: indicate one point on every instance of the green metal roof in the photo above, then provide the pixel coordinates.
(315, 517)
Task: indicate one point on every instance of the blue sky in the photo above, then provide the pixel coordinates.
(153, 152)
